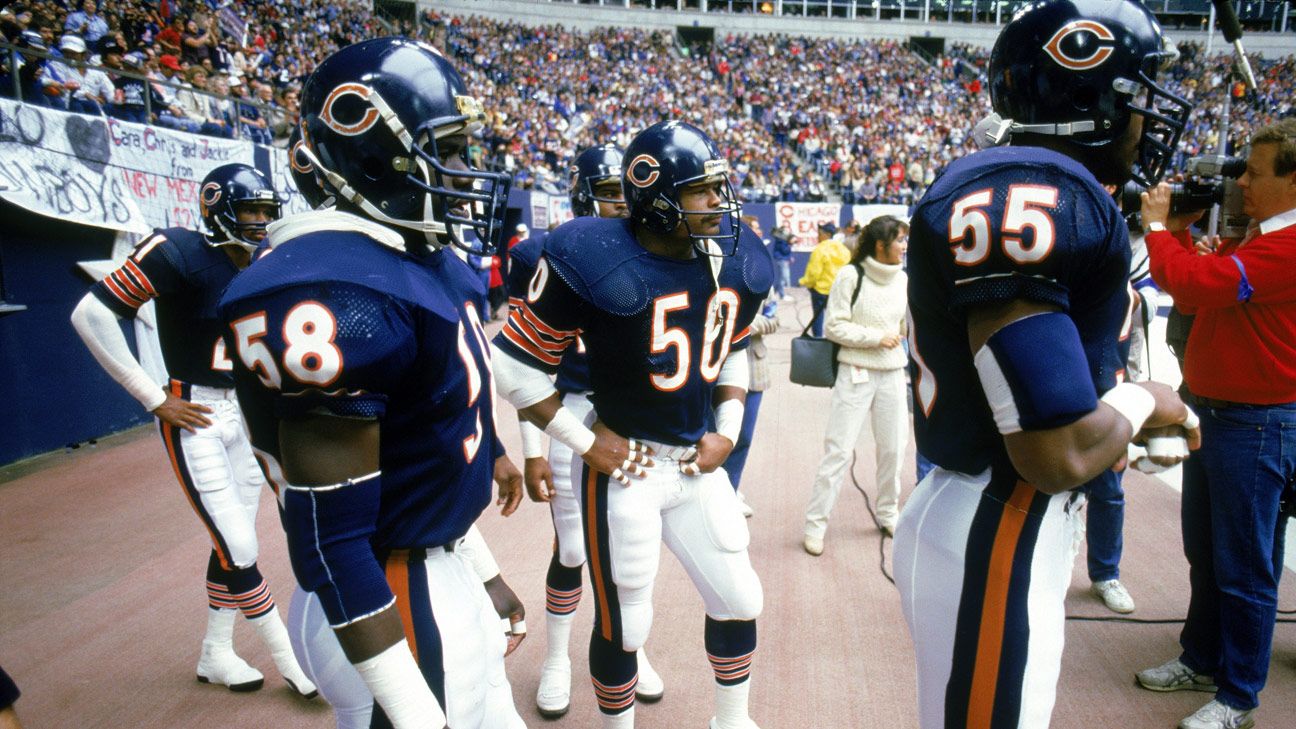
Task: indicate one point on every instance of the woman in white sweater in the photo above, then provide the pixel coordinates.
(870, 376)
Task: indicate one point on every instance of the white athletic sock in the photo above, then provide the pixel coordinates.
(273, 633)
(731, 706)
(558, 632)
(624, 720)
(220, 627)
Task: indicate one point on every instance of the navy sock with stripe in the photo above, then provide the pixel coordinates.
(614, 672)
(730, 645)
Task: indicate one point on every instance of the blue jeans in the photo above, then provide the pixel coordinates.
(782, 277)
(818, 302)
(1233, 539)
(738, 456)
(1104, 525)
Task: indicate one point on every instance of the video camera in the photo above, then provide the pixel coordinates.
(1209, 180)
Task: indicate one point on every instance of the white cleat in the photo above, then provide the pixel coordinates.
(296, 678)
(221, 665)
(650, 687)
(553, 698)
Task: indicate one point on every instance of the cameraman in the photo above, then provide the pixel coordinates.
(1240, 369)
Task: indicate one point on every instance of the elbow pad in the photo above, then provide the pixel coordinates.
(328, 531)
(517, 382)
(1035, 374)
(736, 371)
(97, 326)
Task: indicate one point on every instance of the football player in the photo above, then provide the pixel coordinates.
(366, 381)
(662, 302)
(595, 191)
(1018, 299)
(185, 271)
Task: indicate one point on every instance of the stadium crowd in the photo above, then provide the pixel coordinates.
(801, 119)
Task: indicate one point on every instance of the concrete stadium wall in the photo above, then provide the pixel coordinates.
(541, 12)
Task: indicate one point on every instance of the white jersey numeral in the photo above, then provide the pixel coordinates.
(1027, 206)
(664, 337)
(220, 360)
(473, 442)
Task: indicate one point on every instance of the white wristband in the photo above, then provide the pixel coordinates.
(729, 417)
(1133, 402)
(532, 439)
(394, 679)
(567, 429)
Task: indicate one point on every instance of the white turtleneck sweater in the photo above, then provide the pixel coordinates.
(879, 311)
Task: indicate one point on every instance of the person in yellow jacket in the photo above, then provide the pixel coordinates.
(828, 256)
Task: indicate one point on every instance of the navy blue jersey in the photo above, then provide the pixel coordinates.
(335, 322)
(573, 372)
(1003, 224)
(657, 330)
(186, 275)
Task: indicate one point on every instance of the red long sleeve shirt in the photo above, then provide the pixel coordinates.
(1243, 342)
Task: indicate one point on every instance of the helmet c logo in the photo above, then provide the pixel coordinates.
(343, 90)
(643, 161)
(1099, 47)
(209, 196)
(299, 161)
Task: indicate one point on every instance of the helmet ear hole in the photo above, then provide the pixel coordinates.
(372, 168)
(1084, 98)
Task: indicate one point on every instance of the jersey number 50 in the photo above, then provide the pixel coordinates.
(718, 328)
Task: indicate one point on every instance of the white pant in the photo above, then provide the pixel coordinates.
(700, 520)
(858, 394)
(565, 507)
(220, 475)
(472, 646)
(960, 563)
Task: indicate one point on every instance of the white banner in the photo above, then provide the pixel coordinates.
(804, 219)
(108, 173)
(866, 213)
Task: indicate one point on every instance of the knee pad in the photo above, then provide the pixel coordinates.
(568, 530)
(636, 617)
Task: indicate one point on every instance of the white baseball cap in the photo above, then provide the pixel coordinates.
(521, 228)
(72, 43)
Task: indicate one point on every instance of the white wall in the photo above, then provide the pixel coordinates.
(541, 12)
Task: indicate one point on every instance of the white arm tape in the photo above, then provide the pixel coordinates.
(1134, 403)
(97, 325)
(532, 439)
(729, 417)
(567, 429)
(521, 384)
(394, 679)
(736, 371)
(478, 553)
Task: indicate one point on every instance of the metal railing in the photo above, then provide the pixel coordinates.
(12, 53)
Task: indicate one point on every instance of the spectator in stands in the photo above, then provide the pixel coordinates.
(252, 125)
(129, 98)
(866, 316)
(171, 37)
(198, 42)
(87, 89)
(828, 256)
(87, 23)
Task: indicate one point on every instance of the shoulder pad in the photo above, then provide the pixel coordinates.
(754, 262)
(527, 252)
(594, 257)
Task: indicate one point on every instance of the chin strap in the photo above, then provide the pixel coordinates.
(994, 130)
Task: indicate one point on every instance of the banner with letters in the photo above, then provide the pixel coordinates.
(108, 173)
(804, 219)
